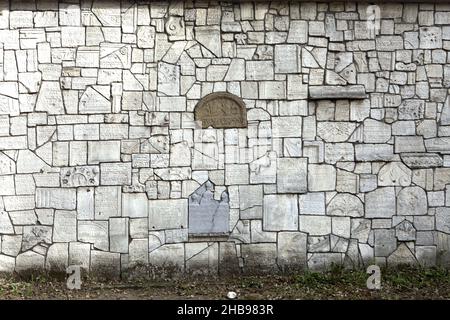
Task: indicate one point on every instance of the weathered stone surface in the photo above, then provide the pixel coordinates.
(321, 177)
(315, 225)
(443, 219)
(95, 232)
(346, 205)
(312, 203)
(337, 92)
(280, 212)
(57, 257)
(385, 242)
(402, 256)
(259, 257)
(405, 231)
(107, 202)
(168, 214)
(105, 264)
(380, 203)
(292, 175)
(63, 199)
(65, 226)
(394, 174)
(207, 215)
(6, 226)
(292, 250)
(412, 201)
(33, 235)
(169, 256)
(335, 131)
(29, 262)
(80, 176)
(221, 110)
(422, 160)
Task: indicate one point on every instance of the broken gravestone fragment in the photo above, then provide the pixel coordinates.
(208, 216)
(221, 110)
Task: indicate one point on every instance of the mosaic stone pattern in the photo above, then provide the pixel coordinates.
(345, 158)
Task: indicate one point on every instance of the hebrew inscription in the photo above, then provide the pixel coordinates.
(221, 110)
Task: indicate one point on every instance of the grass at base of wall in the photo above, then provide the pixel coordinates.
(337, 283)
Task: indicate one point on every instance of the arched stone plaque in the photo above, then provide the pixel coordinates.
(221, 110)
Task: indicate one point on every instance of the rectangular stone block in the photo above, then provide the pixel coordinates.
(280, 212)
(107, 202)
(56, 198)
(118, 235)
(115, 173)
(292, 175)
(168, 214)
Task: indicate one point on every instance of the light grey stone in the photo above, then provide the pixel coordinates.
(134, 205)
(405, 231)
(280, 212)
(412, 201)
(29, 261)
(402, 256)
(292, 175)
(422, 160)
(57, 257)
(107, 202)
(337, 92)
(168, 214)
(259, 257)
(394, 174)
(315, 225)
(292, 250)
(321, 177)
(105, 263)
(65, 226)
(443, 219)
(345, 204)
(385, 242)
(312, 203)
(118, 235)
(380, 203)
(95, 232)
(250, 201)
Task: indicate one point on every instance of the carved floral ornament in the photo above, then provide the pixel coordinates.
(221, 110)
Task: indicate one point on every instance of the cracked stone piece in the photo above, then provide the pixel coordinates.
(345, 204)
(209, 37)
(385, 242)
(202, 258)
(33, 235)
(168, 257)
(115, 173)
(335, 131)
(50, 98)
(280, 212)
(29, 261)
(207, 215)
(286, 126)
(95, 100)
(250, 201)
(405, 231)
(402, 256)
(115, 55)
(6, 226)
(292, 249)
(95, 232)
(264, 169)
(422, 160)
(394, 174)
(57, 257)
(337, 92)
(380, 203)
(412, 201)
(7, 264)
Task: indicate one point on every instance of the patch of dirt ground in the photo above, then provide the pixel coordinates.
(403, 283)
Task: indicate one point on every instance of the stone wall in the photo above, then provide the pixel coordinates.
(103, 165)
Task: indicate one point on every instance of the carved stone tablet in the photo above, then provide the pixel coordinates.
(221, 110)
